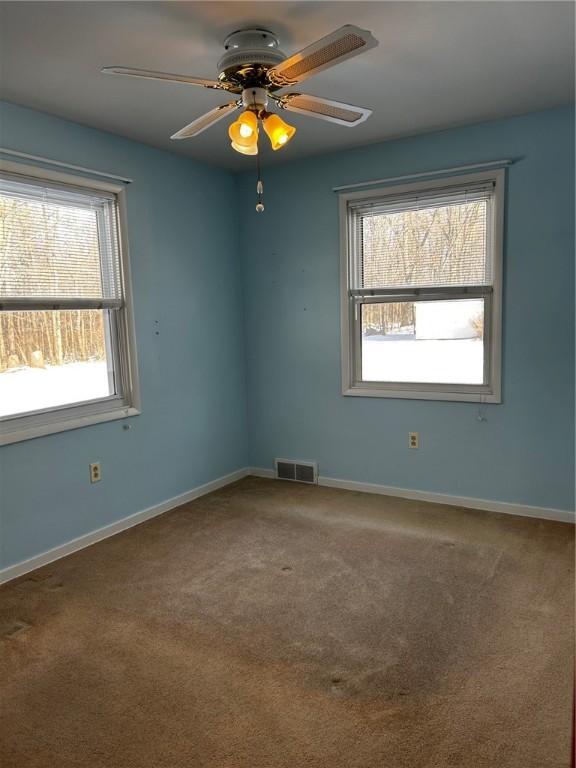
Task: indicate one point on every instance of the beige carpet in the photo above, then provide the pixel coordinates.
(276, 625)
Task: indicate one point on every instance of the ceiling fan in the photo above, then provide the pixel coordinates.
(254, 69)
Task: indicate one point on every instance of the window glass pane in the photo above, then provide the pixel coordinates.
(428, 246)
(54, 358)
(423, 342)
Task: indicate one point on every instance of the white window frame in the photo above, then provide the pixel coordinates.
(350, 307)
(118, 406)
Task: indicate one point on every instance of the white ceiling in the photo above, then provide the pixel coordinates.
(438, 64)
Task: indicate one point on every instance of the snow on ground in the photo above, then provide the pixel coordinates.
(398, 358)
(31, 389)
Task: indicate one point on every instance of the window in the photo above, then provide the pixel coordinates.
(67, 352)
(421, 289)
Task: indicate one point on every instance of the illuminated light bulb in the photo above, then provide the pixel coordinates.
(278, 131)
(244, 131)
(259, 207)
(251, 149)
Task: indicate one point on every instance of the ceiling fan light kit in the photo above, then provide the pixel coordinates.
(253, 68)
(244, 132)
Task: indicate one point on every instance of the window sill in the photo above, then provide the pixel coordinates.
(40, 425)
(423, 394)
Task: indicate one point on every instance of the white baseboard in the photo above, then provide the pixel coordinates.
(25, 566)
(523, 510)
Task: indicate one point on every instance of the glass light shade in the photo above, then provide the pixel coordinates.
(251, 149)
(244, 131)
(278, 131)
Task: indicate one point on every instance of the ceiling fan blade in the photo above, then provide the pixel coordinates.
(330, 50)
(325, 109)
(205, 121)
(169, 76)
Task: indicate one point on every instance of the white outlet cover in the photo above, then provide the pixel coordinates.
(95, 472)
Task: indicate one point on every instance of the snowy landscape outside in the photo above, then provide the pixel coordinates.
(33, 389)
(442, 345)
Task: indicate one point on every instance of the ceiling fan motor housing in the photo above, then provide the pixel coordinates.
(250, 53)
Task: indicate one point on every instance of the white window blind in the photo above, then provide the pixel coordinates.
(58, 245)
(434, 238)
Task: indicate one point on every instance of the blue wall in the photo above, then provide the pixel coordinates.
(277, 329)
(193, 424)
(524, 452)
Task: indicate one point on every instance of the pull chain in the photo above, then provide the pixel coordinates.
(259, 185)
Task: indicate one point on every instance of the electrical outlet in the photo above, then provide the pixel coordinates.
(413, 440)
(95, 472)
